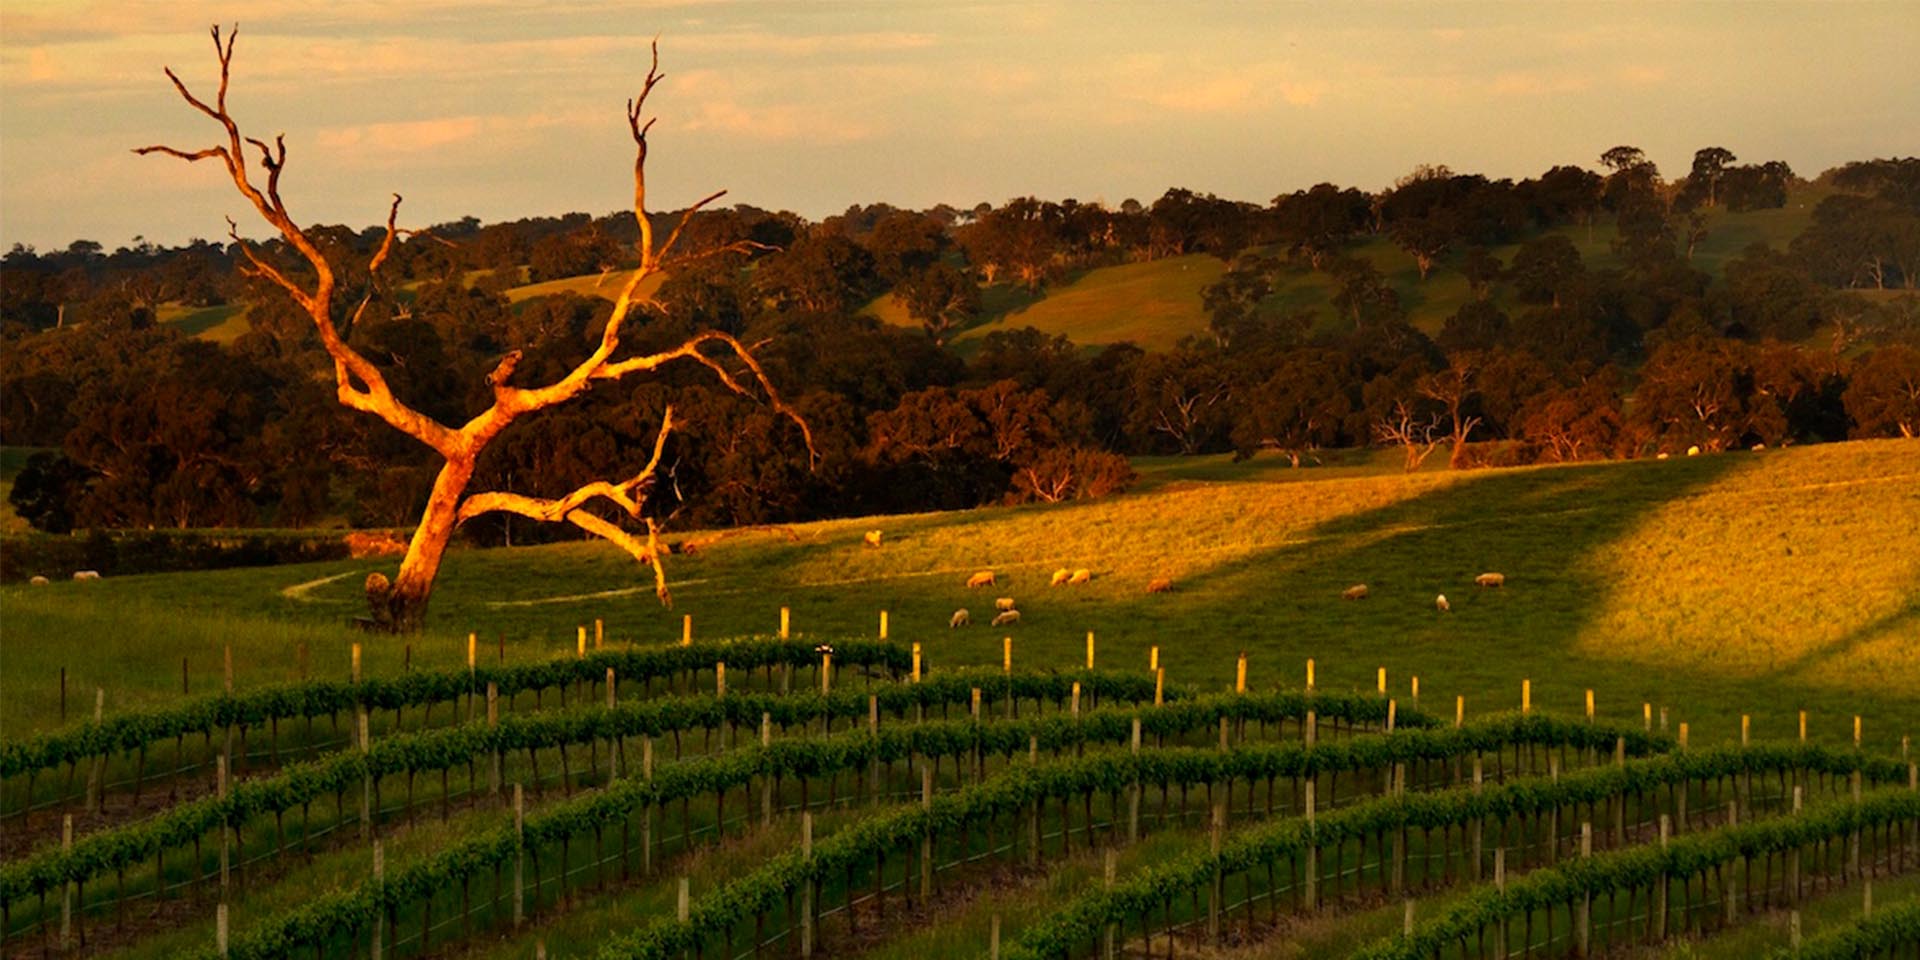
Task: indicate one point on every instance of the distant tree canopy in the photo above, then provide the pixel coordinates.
(1558, 346)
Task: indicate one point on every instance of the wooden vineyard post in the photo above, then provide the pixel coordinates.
(354, 669)
(66, 889)
(1416, 691)
(1856, 731)
(1803, 726)
(1793, 855)
(1133, 790)
(683, 900)
(220, 928)
(1459, 714)
(1089, 649)
(1746, 728)
(580, 642)
(766, 783)
(366, 777)
(1240, 673)
(1380, 682)
(1111, 871)
(993, 938)
(1589, 706)
(380, 914)
(1393, 709)
(1500, 884)
(916, 662)
(613, 740)
(519, 855)
(1646, 717)
(1309, 674)
(720, 678)
(1475, 835)
(493, 720)
(646, 813)
(1406, 920)
(1312, 896)
(1526, 696)
(599, 632)
(1660, 887)
(826, 673)
(96, 778)
(1583, 919)
(227, 686)
(1683, 736)
(1159, 687)
(808, 886)
(874, 785)
(1730, 892)
(1076, 699)
(1153, 659)
(226, 831)
(1397, 787)
(786, 620)
(686, 630)
(883, 624)
(1216, 887)
(926, 839)
(473, 665)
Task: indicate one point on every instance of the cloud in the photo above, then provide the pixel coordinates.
(777, 122)
(403, 136)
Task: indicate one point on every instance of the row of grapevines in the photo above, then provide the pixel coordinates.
(1641, 867)
(1085, 919)
(297, 784)
(320, 698)
(1021, 786)
(326, 916)
(1887, 929)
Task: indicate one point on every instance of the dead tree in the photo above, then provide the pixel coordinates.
(1452, 388)
(401, 605)
(1418, 438)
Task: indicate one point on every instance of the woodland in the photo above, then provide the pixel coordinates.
(139, 424)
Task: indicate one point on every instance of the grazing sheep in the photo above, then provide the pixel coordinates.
(1663, 455)
(1491, 580)
(1003, 604)
(1440, 603)
(982, 579)
(960, 618)
(1082, 575)
(873, 538)
(1162, 585)
(1759, 447)
(1060, 576)
(1356, 592)
(1693, 451)
(86, 574)
(1006, 617)
(39, 581)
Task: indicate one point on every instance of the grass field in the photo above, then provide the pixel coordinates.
(222, 324)
(1716, 586)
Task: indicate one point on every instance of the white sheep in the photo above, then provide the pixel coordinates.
(86, 574)
(1356, 592)
(873, 538)
(1693, 451)
(960, 618)
(1440, 603)
(1060, 576)
(1082, 575)
(39, 581)
(982, 579)
(1006, 617)
(1003, 604)
(1491, 580)
(1160, 585)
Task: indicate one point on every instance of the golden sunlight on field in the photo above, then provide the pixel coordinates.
(1806, 566)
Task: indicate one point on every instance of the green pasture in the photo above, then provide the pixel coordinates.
(1746, 583)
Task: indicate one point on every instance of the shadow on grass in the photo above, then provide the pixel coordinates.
(1537, 527)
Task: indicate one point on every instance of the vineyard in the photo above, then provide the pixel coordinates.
(482, 812)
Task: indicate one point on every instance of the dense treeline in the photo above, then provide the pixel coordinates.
(153, 428)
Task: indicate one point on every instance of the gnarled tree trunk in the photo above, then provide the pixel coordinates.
(401, 604)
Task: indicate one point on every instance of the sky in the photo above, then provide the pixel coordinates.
(503, 110)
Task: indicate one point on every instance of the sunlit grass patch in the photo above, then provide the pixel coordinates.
(1806, 564)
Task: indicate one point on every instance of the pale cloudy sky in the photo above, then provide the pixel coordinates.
(503, 109)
